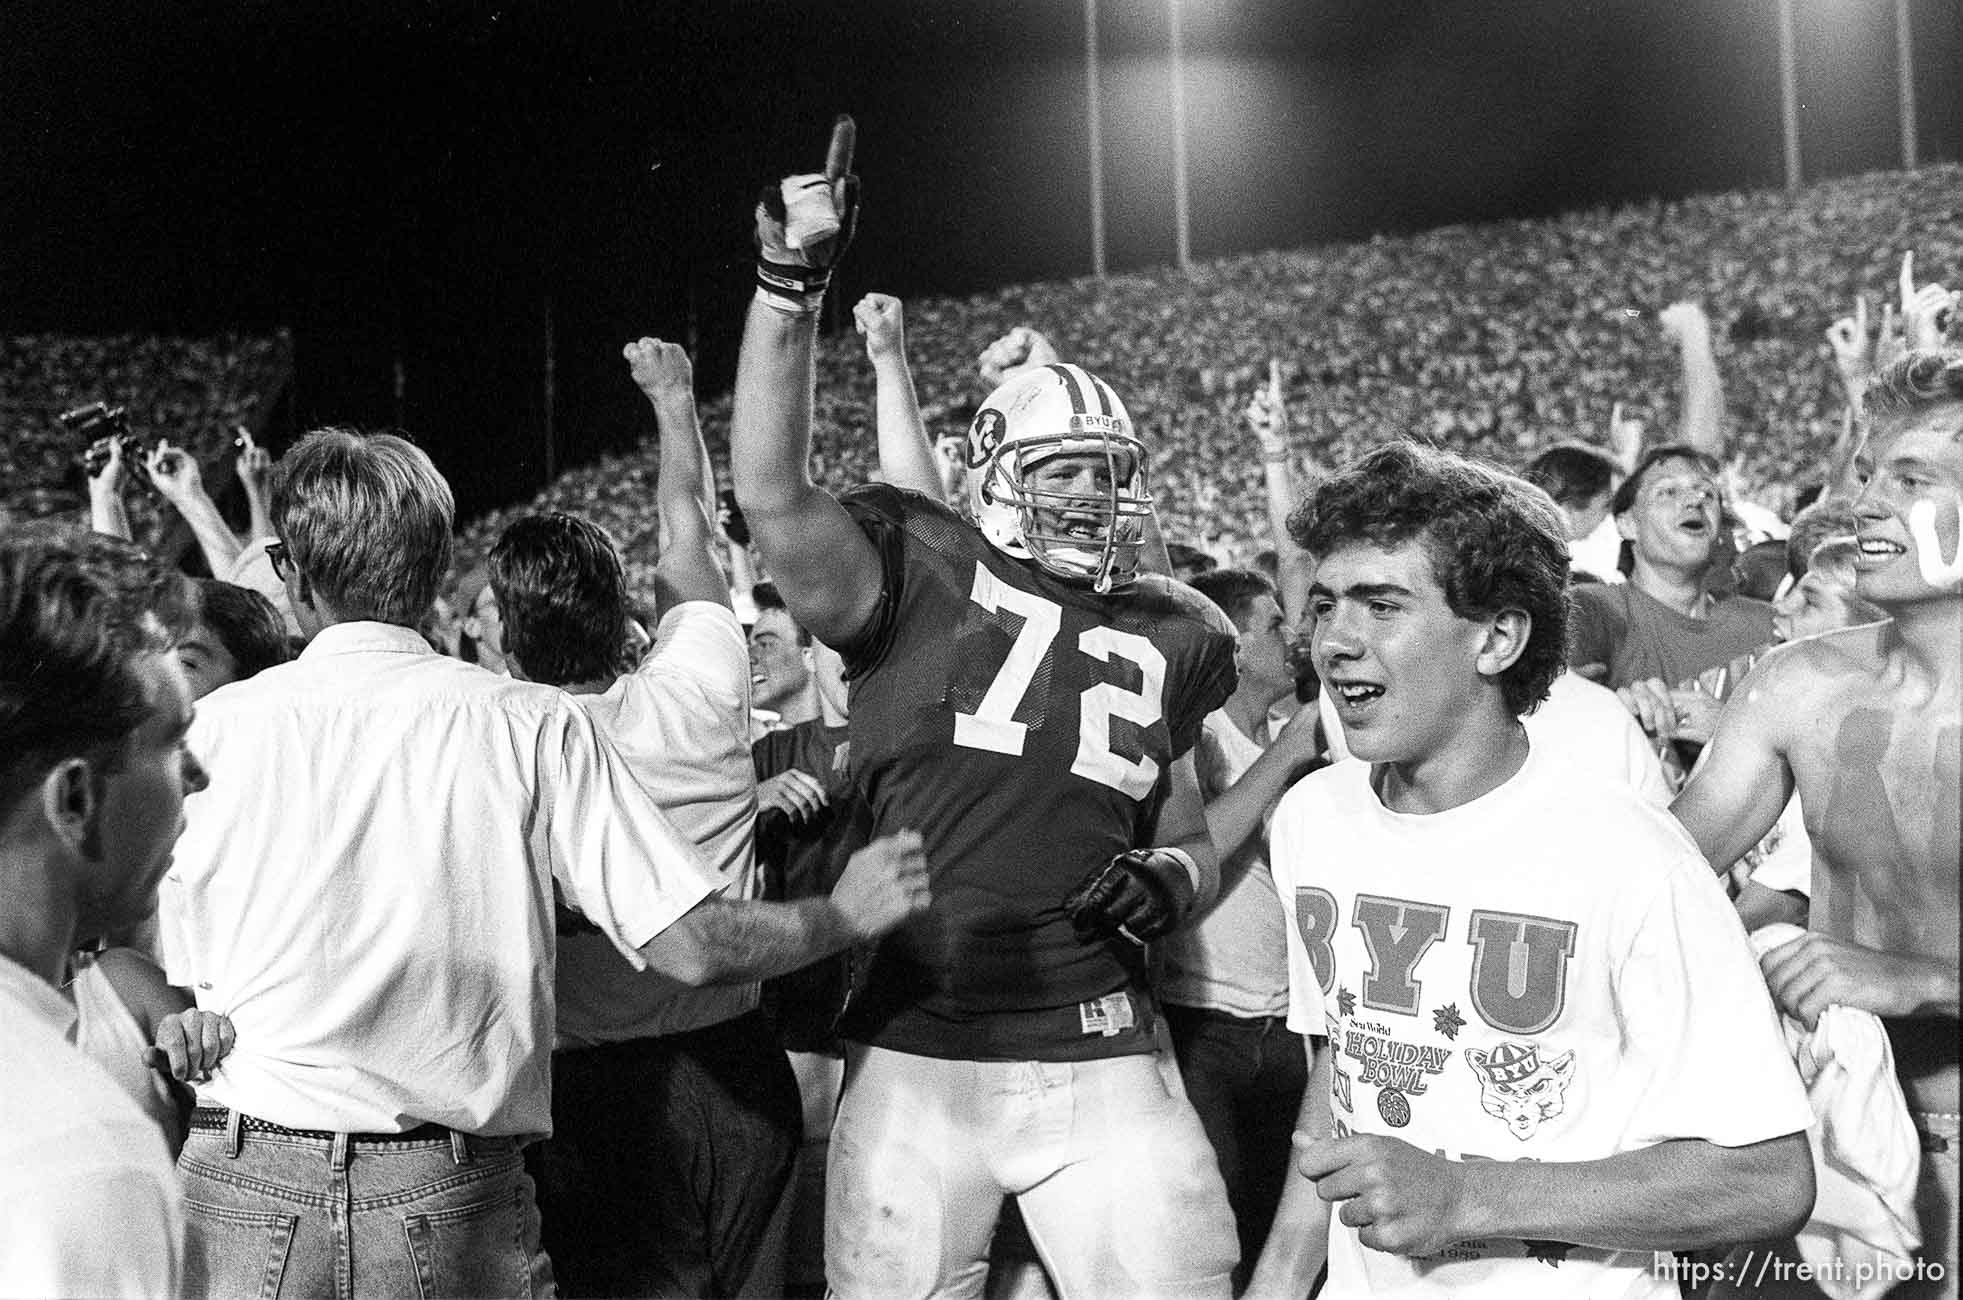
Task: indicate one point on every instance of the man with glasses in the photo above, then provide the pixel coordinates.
(1667, 624)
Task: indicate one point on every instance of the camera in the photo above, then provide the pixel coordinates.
(104, 425)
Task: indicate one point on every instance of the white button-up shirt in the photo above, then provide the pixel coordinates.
(89, 1202)
(366, 886)
(682, 722)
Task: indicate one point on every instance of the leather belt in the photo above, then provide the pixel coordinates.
(215, 1119)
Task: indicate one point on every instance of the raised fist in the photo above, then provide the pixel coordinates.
(255, 465)
(1927, 310)
(174, 471)
(1853, 351)
(804, 224)
(1267, 419)
(660, 369)
(882, 324)
(1013, 353)
(1684, 321)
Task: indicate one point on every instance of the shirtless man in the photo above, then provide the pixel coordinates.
(1867, 725)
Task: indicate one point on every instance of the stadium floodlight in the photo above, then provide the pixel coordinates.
(1182, 219)
(1905, 81)
(1094, 125)
(1789, 92)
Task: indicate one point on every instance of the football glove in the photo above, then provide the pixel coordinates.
(804, 224)
(1137, 896)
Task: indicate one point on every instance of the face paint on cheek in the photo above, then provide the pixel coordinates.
(1936, 571)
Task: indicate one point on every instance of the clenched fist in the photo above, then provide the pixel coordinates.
(660, 369)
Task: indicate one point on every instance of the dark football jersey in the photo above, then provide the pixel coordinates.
(802, 858)
(1026, 727)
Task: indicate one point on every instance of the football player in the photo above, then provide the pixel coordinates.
(1027, 700)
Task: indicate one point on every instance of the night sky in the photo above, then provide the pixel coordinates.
(430, 183)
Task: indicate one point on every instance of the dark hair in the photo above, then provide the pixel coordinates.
(766, 596)
(1625, 495)
(367, 519)
(1496, 542)
(563, 597)
(1573, 473)
(1813, 527)
(1190, 558)
(1759, 570)
(245, 623)
(78, 611)
(1917, 382)
(1234, 590)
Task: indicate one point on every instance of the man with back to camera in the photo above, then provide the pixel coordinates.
(371, 900)
(1866, 726)
(94, 770)
(1544, 1049)
(1027, 700)
(675, 1116)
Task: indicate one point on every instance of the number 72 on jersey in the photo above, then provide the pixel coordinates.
(992, 726)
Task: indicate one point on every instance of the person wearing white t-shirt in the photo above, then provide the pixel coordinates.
(675, 1114)
(1545, 1049)
(94, 771)
(368, 893)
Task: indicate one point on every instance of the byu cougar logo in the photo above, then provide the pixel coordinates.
(1517, 1089)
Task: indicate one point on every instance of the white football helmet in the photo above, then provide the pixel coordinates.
(1038, 415)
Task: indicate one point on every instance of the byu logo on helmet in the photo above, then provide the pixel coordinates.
(1060, 478)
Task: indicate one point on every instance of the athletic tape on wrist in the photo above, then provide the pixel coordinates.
(798, 290)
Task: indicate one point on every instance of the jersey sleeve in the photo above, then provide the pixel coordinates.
(1692, 999)
(880, 510)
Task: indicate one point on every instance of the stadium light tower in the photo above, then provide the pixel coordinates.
(1094, 124)
(1789, 93)
(1905, 81)
(1182, 218)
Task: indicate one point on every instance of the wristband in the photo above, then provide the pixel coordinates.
(793, 290)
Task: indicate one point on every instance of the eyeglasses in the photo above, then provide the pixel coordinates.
(277, 557)
(1682, 492)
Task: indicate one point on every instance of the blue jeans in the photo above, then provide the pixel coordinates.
(1245, 1077)
(278, 1215)
(667, 1159)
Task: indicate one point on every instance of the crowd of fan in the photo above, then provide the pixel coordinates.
(1497, 339)
(194, 392)
(1546, 346)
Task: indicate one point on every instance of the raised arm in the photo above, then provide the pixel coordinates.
(1703, 413)
(107, 513)
(827, 570)
(1267, 420)
(176, 474)
(906, 457)
(255, 470)
(688, 568)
